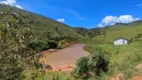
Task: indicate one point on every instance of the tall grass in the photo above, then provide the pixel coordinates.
(123, 59)
(57, 76)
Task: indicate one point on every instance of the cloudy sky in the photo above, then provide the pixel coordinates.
(84, 13)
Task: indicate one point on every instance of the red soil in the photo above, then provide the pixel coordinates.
(64, 68)
(138, 67)
(138, 78)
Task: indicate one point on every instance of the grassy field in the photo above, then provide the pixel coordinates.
(122, 59)
(39, 75)
(57, 76)
(127, 31)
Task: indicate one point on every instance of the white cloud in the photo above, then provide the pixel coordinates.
(18, 6)
(139, 5)
(111, 20)
(11, 3)
(61, 20)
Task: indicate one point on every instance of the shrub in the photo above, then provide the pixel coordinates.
(62, 44)
(81, 68)
(98, 63)
(92, 66)
(42, 45)
(39, 45)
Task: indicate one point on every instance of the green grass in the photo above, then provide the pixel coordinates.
(61, 76)
(48, 75)
(122, 59)
(126, 31)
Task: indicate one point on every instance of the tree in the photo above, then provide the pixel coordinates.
(15, 52)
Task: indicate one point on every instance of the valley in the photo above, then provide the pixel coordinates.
(35, 47)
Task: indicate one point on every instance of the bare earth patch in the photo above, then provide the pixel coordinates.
(117, 77)
(64, 68)
(138, 67)
(138, 78)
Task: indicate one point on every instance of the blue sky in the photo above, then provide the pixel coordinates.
(84, 13)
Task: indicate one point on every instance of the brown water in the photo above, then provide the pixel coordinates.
(65, 56)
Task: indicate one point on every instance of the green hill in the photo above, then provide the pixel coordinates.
(22, 36)
(121, 59)
(46, 32)
(85, 32)
(42, 26)
(128, 31)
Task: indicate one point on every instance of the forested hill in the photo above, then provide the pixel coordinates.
(24, 34)
(43, 27)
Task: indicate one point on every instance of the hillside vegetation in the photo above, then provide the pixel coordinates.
(86, 32)
(128, 31)
(43, 27)
(122, 60)
(22, 36)
(45, 30)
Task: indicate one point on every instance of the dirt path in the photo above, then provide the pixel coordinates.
(65, 59)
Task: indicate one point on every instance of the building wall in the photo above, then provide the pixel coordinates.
(120, 42)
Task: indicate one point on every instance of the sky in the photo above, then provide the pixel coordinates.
(83, 13)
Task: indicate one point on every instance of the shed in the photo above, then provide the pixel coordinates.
(120, 41)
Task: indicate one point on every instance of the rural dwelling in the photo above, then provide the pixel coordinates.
(120, 41)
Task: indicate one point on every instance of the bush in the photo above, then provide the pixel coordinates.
(98, 63)
(62, 44)
(81, 68)
(92, 66)
(43, 45)
(39, 45)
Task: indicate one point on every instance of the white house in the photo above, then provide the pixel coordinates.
(120, 41)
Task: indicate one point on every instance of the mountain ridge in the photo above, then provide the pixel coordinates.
(42, 21)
